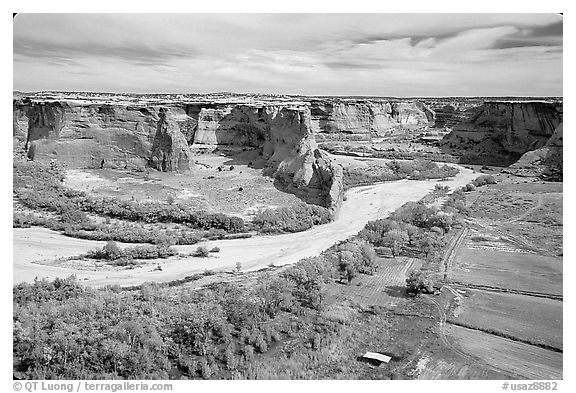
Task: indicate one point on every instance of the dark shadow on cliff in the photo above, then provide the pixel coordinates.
(486, 152)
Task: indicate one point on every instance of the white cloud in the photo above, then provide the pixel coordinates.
(370, 54)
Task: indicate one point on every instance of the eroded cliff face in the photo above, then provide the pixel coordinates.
(170, 151)
(545, 162)
(505, 130)
(285, 136)
(124, 136)
(293, 155)
(92, 136)
(363, 117)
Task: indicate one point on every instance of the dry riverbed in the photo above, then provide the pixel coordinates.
(362, 204)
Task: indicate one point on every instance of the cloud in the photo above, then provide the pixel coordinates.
(357, 54)
(549, 35)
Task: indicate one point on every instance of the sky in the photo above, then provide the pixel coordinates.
(402, 55)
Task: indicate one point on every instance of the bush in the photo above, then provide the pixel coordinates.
(201, 252)
(483, 180)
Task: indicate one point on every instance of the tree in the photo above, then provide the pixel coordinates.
(369, 258)
(395, 240)
(346, 266)
(441, 220)
(112, 251)
(427, 242)
(419, 282)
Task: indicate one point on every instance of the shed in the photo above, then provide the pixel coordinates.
(376, 357)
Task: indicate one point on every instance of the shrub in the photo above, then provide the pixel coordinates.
(442, 189)
(483, 180)
(201, 252)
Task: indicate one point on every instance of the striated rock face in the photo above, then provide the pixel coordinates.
(363, 117)
(545, 162)
(124, 136)
(505, 129)
(285, 136)
(293, 155)
(92, 136)
(450, 112)
(170, 151)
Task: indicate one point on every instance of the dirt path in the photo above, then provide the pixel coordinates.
(362, 205)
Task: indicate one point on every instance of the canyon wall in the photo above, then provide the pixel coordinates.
(87, 135)
(545, 162)
(92, 136)
(504, 130)
(365, 117)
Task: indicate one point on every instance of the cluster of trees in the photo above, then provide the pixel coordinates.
(456, 204)
(403, 238)
(414, 228)
(353, 257)
(120, 232)
(112, 252)
(62, 330)
(295, 218)
(39, 186)
(420, 169)
(417, 169)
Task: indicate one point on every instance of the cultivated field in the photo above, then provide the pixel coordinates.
(533, 319)
(386, 286)
(439, 369)
(511, 270)
(521, 360)
(507, 310)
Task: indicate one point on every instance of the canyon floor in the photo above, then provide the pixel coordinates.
(36, 250)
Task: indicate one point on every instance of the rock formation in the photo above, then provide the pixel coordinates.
(89, 135)
(545, 162)
(502, 131)
(450, 112)
(364, 117)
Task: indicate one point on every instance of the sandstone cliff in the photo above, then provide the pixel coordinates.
(91, 135)
(545, 162)
(285, 137)
(364, 117)
(502, 131)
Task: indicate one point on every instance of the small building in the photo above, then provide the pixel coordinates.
(376, 358)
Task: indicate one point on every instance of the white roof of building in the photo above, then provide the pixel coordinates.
(377, 356)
